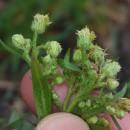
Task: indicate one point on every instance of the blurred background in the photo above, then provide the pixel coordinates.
(109, 19)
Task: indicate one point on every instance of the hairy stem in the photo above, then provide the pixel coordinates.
(35, 43)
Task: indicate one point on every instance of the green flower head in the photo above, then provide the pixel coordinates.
(111, 68)
(53, 48)
(92, 120)
(112, 83)
(97, 53)
(77, 56)
(18, 41)
(120, 113)
(85, 38)
(40, 23)
(47, 60)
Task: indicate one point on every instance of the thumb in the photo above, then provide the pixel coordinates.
(62, 121)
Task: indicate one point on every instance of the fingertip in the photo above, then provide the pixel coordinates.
(27, 91)
(62, 121)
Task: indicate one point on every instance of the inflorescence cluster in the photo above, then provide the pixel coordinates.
(88, 72)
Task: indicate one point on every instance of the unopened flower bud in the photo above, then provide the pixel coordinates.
(108, 96)
(96, 53)
(124, 103)
(18, 41)
(54, 95)
(47, 60)
(27, 45)
(120, 113)
(95, 105)
(103, 121)
(81, 104)
(111, 68)
(112, 83)
(88, 103)
(92, 120)
(53, 48)
(85, 38)
(110, 110)
(77, 56)
(92, 74)
(59, 80)
(40, 23)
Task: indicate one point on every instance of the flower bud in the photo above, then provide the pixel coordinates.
(108, 96)
(81, 104)
(112, 83)
(59, 80)
(120, 113)
(40, 23)
(110, 110)
(53, 48)
(27, 45)
(124, 103)
(88, 103)
(96, 53)
(47, 60)
(77, 56)
(18, 41)
(92, 74)
(54, 95)
(103, 121)
(111, 68)
(85, 38)
(92, 120)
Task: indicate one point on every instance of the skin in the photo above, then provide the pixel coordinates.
(59, 120)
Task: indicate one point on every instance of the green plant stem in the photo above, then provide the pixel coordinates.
(69, 94)
(14, 52)
(116, 123)
(35, 43)
(80, 96)
(77, 99)
(26, 55)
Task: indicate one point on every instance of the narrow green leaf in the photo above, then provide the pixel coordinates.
(41, 89)
(67, 55)
(116, 123)
(20, 124)
(17, 124)
(68, 65)
(121, 93)
(11, 50)
(16, 53)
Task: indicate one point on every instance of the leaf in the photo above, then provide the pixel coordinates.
(68, 65)
(121, 93)
(41, 89)
(11, 50)
(98, 127)
(15, 125)
(67, 55)
(18, 122)
(14, 116)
